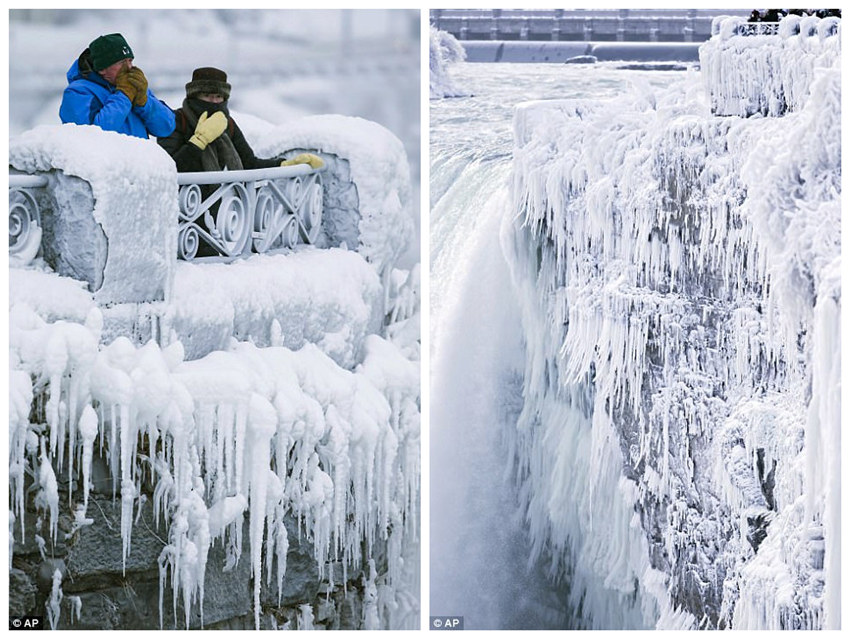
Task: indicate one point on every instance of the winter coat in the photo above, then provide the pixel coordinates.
(228, 151)
(89, 99)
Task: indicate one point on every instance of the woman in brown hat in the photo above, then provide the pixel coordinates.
(206, 138)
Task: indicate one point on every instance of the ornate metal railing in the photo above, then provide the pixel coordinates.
(259, 210)
(24, 217)
(759, 28)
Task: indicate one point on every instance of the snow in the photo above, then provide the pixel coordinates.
(678, 280)
(51, 296)
(445, 50)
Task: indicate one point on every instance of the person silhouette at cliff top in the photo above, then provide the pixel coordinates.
(206, 138)
(105, 89)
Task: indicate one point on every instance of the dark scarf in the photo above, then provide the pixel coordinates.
(220, 153)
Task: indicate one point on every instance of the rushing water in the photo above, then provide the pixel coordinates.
(479, 549)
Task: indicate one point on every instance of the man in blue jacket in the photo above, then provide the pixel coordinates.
(105, 89)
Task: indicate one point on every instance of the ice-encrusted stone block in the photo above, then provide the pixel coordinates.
(340, 201)
(73, 243)
(112, 218)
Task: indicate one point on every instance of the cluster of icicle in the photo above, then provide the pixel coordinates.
(767, 74)
(249, 432)
(445, 51)
(679, 279)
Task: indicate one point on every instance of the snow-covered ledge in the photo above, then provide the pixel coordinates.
(768, 74)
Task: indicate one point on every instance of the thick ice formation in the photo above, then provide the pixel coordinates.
(256, 432)
(445, 51)
(679, 276)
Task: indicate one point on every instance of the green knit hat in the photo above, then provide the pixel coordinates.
(109, 49)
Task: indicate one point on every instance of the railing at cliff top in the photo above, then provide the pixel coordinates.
(24, 217)
(258, 209)
(759, 28)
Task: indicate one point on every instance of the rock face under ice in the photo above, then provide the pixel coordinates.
(679, 281)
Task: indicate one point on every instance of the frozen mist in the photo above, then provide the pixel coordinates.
(675, 266)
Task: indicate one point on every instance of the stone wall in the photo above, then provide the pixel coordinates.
(126, 597)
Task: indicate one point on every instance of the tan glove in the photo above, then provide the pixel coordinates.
(123, 84)
(137, 79)
(208, 129)
(305, 158)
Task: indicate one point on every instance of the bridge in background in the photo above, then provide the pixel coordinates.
(617, 25)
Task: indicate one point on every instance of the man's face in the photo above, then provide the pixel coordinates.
(111, 73)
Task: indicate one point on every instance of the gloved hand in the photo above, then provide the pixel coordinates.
(305, 158)
(123, 84)
(140, 83)
(208, 129)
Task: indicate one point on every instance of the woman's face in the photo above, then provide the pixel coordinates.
(215, 98)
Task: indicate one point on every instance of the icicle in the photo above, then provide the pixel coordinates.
(305, 617)
(54, 602)
(262, 423)
(76, 608)
(48, 494)
(371, 620)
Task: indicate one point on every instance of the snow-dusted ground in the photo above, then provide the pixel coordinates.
(676, 277)
(312, 410)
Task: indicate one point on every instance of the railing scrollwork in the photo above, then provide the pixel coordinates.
(24, 217)
(226, 213)
(759, 28)
(259, 210)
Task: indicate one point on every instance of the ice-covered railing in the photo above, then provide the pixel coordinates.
(24, 218)
(759, 28)
(257, 210)
(112, 218)
(251, 210)
(748, 70)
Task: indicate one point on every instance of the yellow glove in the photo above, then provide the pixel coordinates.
(123, 84)
(305, 158)
(208, 129)
(140, 83)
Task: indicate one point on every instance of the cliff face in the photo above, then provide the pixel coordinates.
(679, 275)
